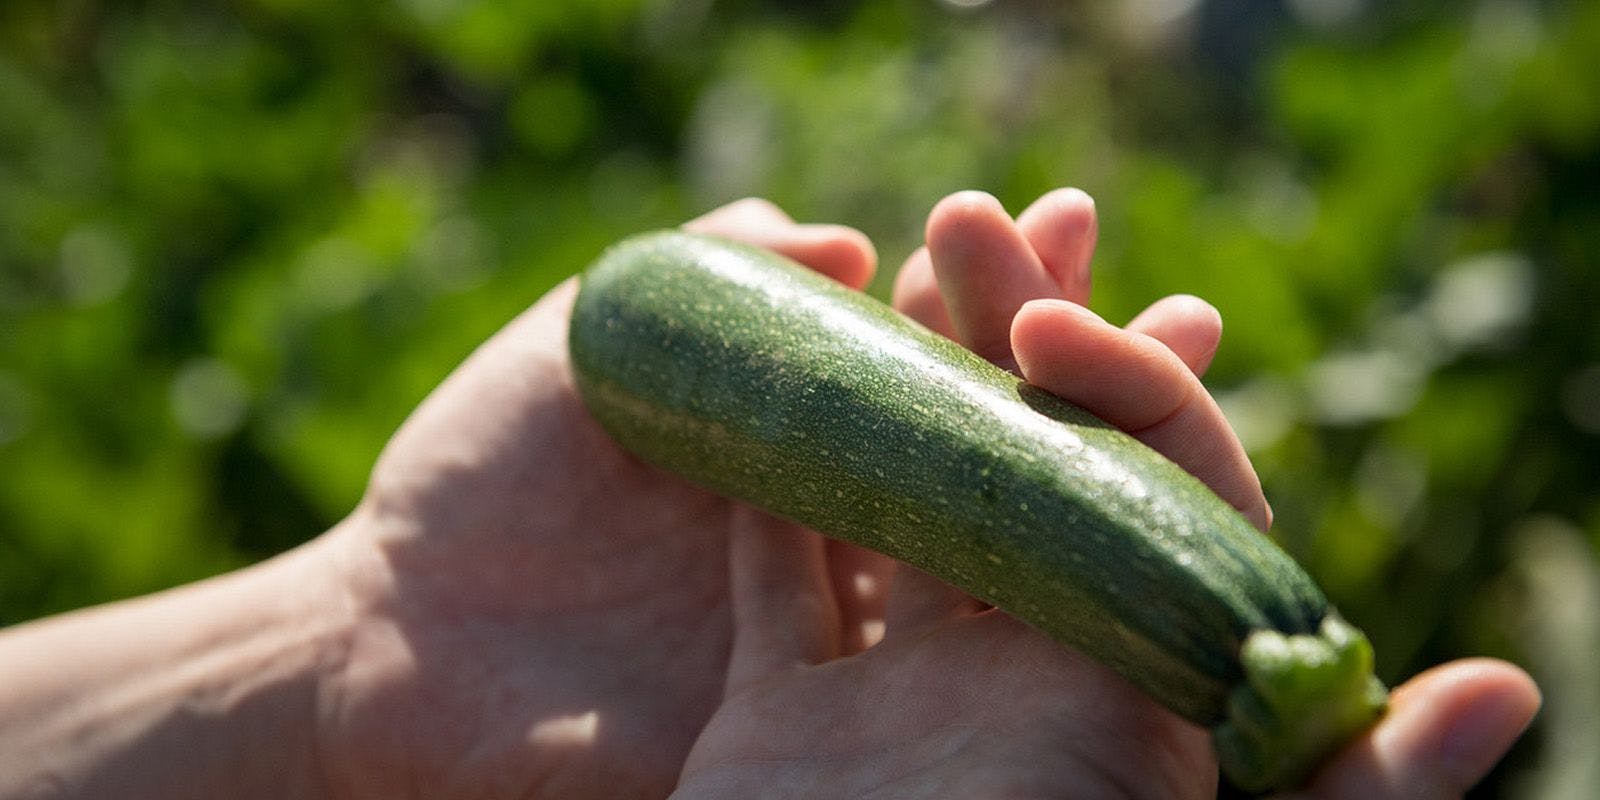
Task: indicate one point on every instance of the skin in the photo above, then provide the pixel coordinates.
(519, 609)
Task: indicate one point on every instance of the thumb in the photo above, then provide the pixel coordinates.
(784, 611)
(1445, 730)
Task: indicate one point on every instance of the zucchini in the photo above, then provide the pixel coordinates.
(768, 383)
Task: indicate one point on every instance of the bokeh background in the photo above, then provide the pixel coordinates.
(240, 241)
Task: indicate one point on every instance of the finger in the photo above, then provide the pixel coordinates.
(860, 580)
(1062, 228)
(980, 267)
(842, 253)
(916, 294)
(1445, 730)
(784, 614)
(917, 599)
(1141, 386)
(986, 270)
(750, 213)
(1189, 327)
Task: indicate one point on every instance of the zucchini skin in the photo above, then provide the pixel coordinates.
(768, 383)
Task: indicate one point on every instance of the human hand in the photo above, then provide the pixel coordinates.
(958, 700)
(536, 612)
(518, 608)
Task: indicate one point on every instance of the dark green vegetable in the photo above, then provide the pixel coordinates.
(768, 383)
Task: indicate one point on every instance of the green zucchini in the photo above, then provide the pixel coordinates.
(766, 382)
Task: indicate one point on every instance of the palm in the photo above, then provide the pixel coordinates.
(977, 706)
(542, 608)
(554, 611)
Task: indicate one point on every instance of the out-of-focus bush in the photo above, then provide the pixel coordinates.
(239, 242)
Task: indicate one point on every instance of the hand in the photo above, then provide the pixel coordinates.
(959, 700)
(518, 608)
(536, 612)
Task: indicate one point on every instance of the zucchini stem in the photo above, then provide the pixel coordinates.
(1303, 697)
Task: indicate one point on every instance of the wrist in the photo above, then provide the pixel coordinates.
(300, 602)
(207, 690)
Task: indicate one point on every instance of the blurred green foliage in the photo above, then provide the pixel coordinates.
(240, 241)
